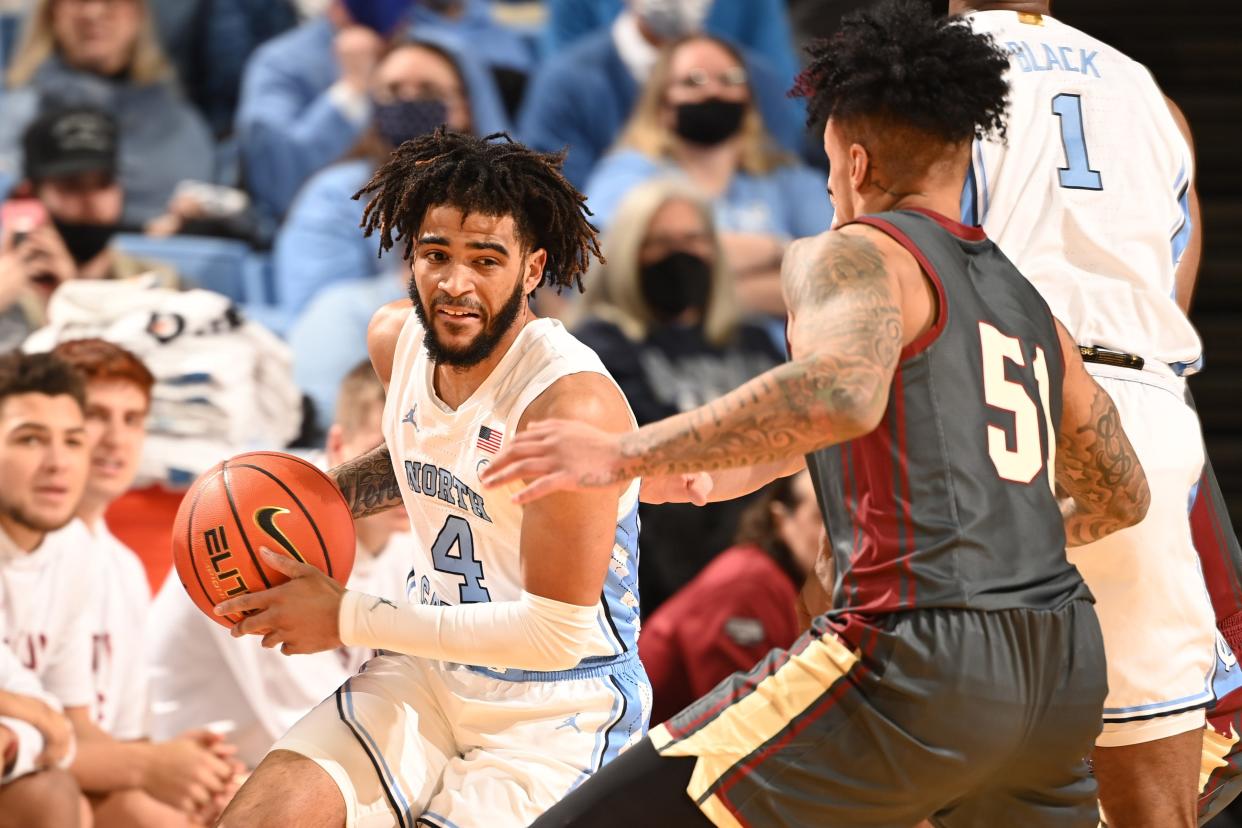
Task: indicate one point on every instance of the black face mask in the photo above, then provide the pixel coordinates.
(709, 122)
(400, 121)
(676, 283)
(85, 241)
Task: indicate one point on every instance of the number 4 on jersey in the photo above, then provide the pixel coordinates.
(1021, 463)
(456, 532)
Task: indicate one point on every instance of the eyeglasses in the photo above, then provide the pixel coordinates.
(698, 78)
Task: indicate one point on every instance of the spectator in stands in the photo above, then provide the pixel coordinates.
(203, 675)
(581, 97)
(696, 117)
(469, 24)
(741, 605)
(305, 96)
(105, 54)
(118, 396)
(762, 26)
(662, 316)
(36, 743)
(61, 231)
(210, 41)
(417, 86)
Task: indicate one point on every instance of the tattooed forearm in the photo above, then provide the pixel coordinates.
(1097, 467)
(847, 338)
(368, 482)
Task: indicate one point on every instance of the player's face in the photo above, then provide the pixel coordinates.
(470, 283)
(800, 526)
(44, 454)
(116, 418)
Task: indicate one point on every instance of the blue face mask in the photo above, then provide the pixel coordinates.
(399, 121)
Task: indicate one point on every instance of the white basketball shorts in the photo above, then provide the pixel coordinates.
(1159, 629)
(413, 742)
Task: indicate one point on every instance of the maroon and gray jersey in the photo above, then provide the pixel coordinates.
(949, 501)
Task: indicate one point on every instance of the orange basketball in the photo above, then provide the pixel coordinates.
(257, 499)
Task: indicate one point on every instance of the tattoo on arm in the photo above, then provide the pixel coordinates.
(368, 482)
(839, 288)
(1097, 466)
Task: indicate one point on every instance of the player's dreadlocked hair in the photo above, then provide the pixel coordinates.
(896, 61)
(493, 176)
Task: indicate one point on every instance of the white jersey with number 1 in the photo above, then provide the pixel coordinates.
(1088, 194)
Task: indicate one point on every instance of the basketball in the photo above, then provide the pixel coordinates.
(258, 499)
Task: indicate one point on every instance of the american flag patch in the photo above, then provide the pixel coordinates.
(489, 439)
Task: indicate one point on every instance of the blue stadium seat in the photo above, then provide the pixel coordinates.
(225, 266)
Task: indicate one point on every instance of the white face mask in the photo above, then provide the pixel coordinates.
(669, 19)
(311, 8)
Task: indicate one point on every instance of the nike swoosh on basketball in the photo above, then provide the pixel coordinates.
(265, 519)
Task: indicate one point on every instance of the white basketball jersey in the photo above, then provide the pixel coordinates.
(466, 540)
(1088, 197)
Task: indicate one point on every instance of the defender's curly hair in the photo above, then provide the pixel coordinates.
(898, 62)
(493, 176)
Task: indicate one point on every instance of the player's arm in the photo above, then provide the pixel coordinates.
(1095, 463)
(1187, 273)
(565, 547)
(846, 333)
(368, 482)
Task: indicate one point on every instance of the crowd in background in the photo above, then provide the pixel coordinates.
(177, 179)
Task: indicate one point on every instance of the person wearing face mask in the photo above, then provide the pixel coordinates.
(741, 605)
(662, 315)
(696, 118)
(59, 225)
(581, 97)
(105, 55)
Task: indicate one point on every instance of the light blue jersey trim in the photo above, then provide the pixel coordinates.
(436, 821)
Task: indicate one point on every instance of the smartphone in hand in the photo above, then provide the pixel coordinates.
(20, 216)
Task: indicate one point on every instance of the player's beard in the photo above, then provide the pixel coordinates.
(482, 346)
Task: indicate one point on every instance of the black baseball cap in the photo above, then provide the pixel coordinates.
(70, 140)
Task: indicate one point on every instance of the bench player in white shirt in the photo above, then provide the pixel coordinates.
(46, 638)
(202, 676)
(1093, 199)
(512, 675)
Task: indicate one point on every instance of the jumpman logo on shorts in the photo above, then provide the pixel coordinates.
(572, 721)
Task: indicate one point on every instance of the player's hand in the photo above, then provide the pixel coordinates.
(186, 775)
(556, 455)
(302, 615)
(677, 488)
(208, 813)
(56, 729)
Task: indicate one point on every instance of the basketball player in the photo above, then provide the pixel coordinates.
(131, 782)
(1093, 199)
(960, 675)
(512, 675)
(202, 676)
